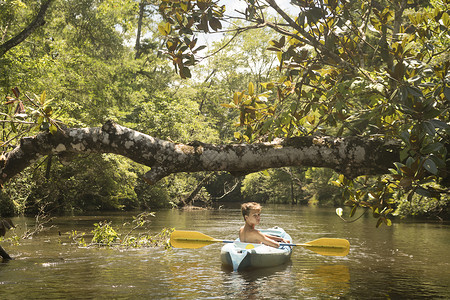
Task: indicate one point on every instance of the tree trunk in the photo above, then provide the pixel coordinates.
(351, 156)
(4, 255)
(190, 199)
(293, 200)
(137, 47)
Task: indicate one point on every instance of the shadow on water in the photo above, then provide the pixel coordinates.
(325, 281)
(319, 281)
(253, 283)
(252, 274)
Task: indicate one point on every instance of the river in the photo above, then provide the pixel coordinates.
(409, 260)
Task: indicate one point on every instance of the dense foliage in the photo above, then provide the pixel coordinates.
(80, 70)
(368, 68)
(365, 68)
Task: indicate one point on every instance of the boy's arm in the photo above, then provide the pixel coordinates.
(255, 236)
(267, 241)
(277, 238)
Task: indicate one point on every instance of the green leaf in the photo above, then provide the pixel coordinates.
(439, 124)
(430, 166)
(53, 129)
(280, 58)
(405, 136)
(13, 127)
(380, 220)
(171, 45)
(164, 28)
(445, 19)
(440, 163)
(416, 92)
(352, 212)
(447, 93)
(429, 128)
(42, 98)
(399, 70)
(342, 178)
(376, 212)
(45, 126)
(336, 183)
(314, 14)
(431, 148)
(251, 89)
(406, 182)
(215, 24)
(404, 153)
(431, 113)
(228, 105)
(423, 192)
(266, 126)
(185, 72)
(268, 85)
(410, 195)
(199, 48)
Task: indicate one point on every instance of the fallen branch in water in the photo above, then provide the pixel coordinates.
(5, 224)
(4, 254)
(41, 219)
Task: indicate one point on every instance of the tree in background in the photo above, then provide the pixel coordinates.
(85, 72)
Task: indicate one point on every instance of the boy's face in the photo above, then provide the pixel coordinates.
(254, 217)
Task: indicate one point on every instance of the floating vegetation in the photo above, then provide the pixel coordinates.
(104, 235)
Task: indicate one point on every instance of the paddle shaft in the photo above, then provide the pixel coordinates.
(307, 245)
(291, 245)
(323, 246)
(231, 242)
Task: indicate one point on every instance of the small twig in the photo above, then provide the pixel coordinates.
(41, 219)
(17, 122)
(354, 220)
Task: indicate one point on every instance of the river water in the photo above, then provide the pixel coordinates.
(408, 260)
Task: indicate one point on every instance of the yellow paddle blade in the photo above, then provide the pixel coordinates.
(190, 239)
(329, 246)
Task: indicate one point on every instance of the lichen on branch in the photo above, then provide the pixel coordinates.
(351, 156)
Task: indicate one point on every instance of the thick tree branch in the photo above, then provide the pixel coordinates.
(35, 24)
(351, 156)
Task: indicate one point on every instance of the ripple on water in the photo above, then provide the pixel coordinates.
(398, 261)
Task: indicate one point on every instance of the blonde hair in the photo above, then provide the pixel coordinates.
(247, 207)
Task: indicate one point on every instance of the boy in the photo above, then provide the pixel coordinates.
(251, 211)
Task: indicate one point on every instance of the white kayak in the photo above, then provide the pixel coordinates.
(244, 255)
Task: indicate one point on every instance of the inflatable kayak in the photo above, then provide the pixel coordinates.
(244, 255)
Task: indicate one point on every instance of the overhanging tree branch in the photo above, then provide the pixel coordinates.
(351, 156)
(35, 24)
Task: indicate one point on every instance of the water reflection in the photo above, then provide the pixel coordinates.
(402, 261)
(289, 282)
(254, 283)
(328, 280)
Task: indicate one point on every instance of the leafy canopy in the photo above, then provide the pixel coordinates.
(366, 68)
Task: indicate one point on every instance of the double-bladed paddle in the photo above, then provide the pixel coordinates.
(323, 246)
